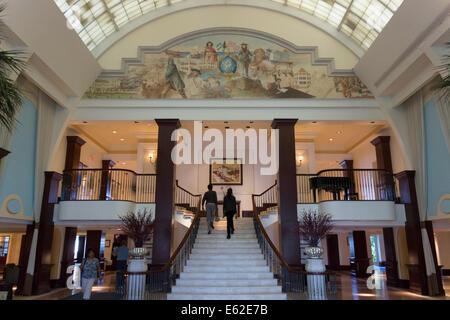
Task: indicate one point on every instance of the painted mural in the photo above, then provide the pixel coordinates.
(223, 67)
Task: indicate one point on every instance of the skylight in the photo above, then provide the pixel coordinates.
(361, 20)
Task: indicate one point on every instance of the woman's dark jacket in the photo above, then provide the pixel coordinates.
(229, 205)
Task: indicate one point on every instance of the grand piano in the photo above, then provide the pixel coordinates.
(331, 184)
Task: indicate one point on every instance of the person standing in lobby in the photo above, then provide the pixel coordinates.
(90, 269)
(210, 198)
(122, 256)
(229, 210)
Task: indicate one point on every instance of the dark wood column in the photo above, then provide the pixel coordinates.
(416, 266)
(106, 179)
(73, 152)
(25, 248)
(68, 252)
(348, 166)
(287, 191)
(430, 232)
(333, 252)
(391, 257)
(359, 262)
(165, 181)
(383, 152)
(385, 185)
(94, 237)
(41, 278)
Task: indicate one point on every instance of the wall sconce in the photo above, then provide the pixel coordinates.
(299, 160)
(151, 157)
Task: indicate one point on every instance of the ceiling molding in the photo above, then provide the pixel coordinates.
(143, 50)
(87, 135)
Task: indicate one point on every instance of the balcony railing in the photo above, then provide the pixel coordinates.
(346, 184)
(111, 184)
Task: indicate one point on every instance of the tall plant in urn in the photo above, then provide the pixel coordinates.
(139, 227)
(313, 227)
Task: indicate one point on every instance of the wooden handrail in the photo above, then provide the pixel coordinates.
(186, 236)
(280, 257)
(259, 195)
(112, 169)
(194, 195)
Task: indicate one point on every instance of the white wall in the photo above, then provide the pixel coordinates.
(443, 248)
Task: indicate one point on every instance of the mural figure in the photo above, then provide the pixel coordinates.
(223, 69)
(245, 57)
(210, 55)
(173, 80)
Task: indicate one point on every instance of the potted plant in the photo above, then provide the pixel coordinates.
(313, 227)
(139, 227)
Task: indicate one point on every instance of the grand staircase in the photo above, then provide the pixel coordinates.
(222, 269)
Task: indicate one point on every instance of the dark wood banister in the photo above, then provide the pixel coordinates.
(259, 195)
(186, 236)
(340, 170)
(112, 169)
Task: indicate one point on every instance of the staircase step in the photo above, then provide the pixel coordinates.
(226, 289)
(235, 276)
(220, 256)
(240, 263)
(259, 296)
(218, 235)
(225, 251)
(226, 245)
(225, 283)
(232, 241)
(224, 268)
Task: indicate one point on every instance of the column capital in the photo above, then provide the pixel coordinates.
(283, 122)
(75, 139)
(3, 153)
(168, 122)
(409, 174)
(381, 139)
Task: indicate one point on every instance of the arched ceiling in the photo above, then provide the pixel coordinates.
(360, 20)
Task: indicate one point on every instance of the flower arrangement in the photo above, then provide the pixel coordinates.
(314, 226)
(138, 226)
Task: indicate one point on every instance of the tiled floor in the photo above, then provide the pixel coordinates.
(349, 288)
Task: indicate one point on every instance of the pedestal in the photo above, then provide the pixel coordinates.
(317, 287)
(136, 288)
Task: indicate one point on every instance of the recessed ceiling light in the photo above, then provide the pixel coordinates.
(124, 163)
(114, 131)
(339, 132)
(122, 139)
(331, 139)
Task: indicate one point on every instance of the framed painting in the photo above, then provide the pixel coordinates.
(226, 172)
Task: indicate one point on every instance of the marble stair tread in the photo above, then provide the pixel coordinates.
(243, 263)
(227, 241)
(232, 256)
(217, 235)
(225, 251)
(225, 282)
(226, 289)
(224, 268)
(259, 296)
(226, 245)
(226, 276)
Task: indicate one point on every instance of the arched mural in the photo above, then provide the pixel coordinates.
(227, 66)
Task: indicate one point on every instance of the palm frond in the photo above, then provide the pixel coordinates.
(11, 62)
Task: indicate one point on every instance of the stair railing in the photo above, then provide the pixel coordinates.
(161, 278)
(292, 278)
(267, 198)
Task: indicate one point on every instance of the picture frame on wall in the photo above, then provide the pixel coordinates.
(226, 172)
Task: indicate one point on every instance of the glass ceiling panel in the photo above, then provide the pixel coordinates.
(361, 20)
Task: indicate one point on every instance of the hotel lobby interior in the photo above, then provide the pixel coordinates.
(328, 119)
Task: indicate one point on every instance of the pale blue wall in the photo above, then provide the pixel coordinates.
(437, 159)
(18, 173)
